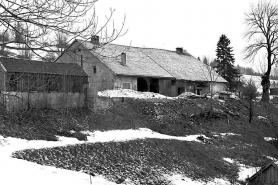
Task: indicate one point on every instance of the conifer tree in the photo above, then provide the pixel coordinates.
(225, 62)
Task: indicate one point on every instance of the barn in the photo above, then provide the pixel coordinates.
(36, 84)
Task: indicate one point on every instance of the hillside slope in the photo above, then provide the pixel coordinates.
(226, 141)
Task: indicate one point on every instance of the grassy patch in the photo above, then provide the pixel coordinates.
(145, 161)
(43, 124)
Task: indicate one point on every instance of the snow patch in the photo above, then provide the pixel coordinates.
(246, 171)
(261, 117)
(131, 94)
(228, 134)
(141, 133)
(26, 171)
(229, 160)
(269, 138)
(11, 144)
(272, 158)
(181, 180)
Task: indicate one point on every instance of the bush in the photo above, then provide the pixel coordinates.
(48, 137)
(80, 136)
(249, 91)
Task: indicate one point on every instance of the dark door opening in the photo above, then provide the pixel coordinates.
(154, 85)
(181, 90)
(198, 91)
(142, 85)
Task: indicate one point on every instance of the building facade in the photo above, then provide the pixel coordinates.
(161, 71)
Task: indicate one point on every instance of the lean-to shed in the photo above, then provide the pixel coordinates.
(267, 175)
(37, 84)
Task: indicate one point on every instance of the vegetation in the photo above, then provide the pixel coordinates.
(142, 161)
(41, 124)
(146, 161)
(262, 36)
(225, 62)
(249, 92)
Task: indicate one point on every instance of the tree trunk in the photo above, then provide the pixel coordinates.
(265, 78)
(250, 110)
(266, 84)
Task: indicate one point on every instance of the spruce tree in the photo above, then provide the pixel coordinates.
(225, 62)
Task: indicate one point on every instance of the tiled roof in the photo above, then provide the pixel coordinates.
(153, 63)
(33, 66)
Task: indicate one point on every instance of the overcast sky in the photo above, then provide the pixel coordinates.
(195, 25)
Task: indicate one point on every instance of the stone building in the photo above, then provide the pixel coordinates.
(161, 71)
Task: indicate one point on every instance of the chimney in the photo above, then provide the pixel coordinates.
(123, 59)
(95, 40)
(179, 51)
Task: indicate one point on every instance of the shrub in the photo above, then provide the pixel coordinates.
(49, 138)
(249, 92)
(80, 136)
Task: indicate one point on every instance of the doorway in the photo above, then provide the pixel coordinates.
(142, 85)
(154, 85)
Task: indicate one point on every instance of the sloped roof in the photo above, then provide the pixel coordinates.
(33, 66)
(264, 168)
(153, 63)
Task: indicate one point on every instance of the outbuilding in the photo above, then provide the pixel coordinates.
(267, 175)
(36, 84)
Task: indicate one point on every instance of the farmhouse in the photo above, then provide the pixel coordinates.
(37, 84)
(267, 175)
(161, 71)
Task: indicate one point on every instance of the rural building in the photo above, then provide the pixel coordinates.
(273, 89)
(267, 175)
(37, 84)
(161, 71)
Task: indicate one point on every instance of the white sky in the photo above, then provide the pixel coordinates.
(195, 25)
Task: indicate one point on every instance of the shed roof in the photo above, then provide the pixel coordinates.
(263, 169)
(153, 63)
(34, 66)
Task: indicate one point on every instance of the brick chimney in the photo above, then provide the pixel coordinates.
(95, 40)
(179, 51)
(123, 59)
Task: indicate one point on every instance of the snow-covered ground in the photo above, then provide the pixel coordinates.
(130, 93)
(244, 171)
(20, 172)
(257, 80)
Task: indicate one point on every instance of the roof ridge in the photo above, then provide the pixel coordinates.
(82, 41)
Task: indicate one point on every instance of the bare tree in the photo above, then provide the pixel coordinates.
(61, 42)
(211, 76)
(41, 19)
(249, 92)
(262, 35)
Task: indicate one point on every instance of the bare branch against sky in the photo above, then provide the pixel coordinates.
(36, 22)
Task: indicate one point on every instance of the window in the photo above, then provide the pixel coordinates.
(126, 85)
(95, 69)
